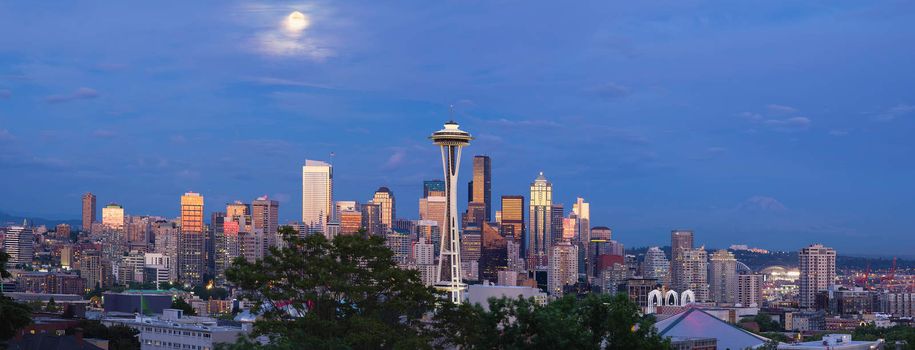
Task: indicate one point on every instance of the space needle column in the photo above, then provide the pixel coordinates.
(451, 140)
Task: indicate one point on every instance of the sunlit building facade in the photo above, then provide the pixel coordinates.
(191, 257)
(384, 198)
(539, 222)
(89, 214)
(317, 195)
(818, 270)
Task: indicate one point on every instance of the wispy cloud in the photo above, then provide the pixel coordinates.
(270, 81)
(779, 122)
(80, 94)
(837, 132)
(776, 108)
(289, 30)
(895, 112)
(396, 159)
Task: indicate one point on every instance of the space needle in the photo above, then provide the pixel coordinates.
(451, 139)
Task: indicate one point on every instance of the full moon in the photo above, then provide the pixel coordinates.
(297, 22)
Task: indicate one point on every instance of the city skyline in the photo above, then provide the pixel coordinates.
(657, 128)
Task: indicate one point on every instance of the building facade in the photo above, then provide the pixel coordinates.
(818, 271)
(317, 195)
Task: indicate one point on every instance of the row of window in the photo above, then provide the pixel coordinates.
(175, 345)
(176, 332)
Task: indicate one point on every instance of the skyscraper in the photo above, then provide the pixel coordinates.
(582, 211)
(749, 289)
(513, 219)
(563, 267)
(432, 207)
(679, 240)
(371, 219)
(818, 270)
(113, 216)
(656, 266)
(722, 277)
(191, 259)
(557, 211)
(19, 244)
(317, 194)
(451, 140)
(385, 200)
(539, 225)
(433, 186)
(88, 211)
(692, 273)
(481, 185)
(265, 215)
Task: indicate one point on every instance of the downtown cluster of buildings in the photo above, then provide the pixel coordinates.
(520, 244)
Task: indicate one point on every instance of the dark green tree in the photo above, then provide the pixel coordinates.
(891, 335)
(345, 293)
(51, 306)
(123, 338)
(181, 304)
(594, 322)
(13, 315)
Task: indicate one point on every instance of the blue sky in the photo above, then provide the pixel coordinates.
(775, 124)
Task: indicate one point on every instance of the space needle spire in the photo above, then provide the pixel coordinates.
(451, 139)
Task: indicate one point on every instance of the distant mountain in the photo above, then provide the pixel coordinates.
(9, 219)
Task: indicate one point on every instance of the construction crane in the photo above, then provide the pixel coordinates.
(863, 280)
(892, 275)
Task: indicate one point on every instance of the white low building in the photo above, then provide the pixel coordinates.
(835, 342)
(172, 330)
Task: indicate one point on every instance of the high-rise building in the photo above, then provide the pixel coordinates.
(433, 186)
(557, 213)
(432, 207)
(62, 231)
(600, 237)
(237, 208)
(371, 219)
(656, 266)
(512, 219)
(113, 216)
(481, 185)
(350, 222)
(19, 244)
(95, 269)
(582, 211)
(317, 195)
(167, 235)
(749, 289)
(563, 267)
(818, 270)
(475, 216)
(692, 273)
(722, 277)
(539, 225)
(451, 140)
(191, 258)
(494, 253)
(265, 215)
(679, 240)
(385, 200)
(88, 211)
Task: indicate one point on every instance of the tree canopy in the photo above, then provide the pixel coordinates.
(13, 315)
(348, 293)
(597, 321)
(335, 294)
